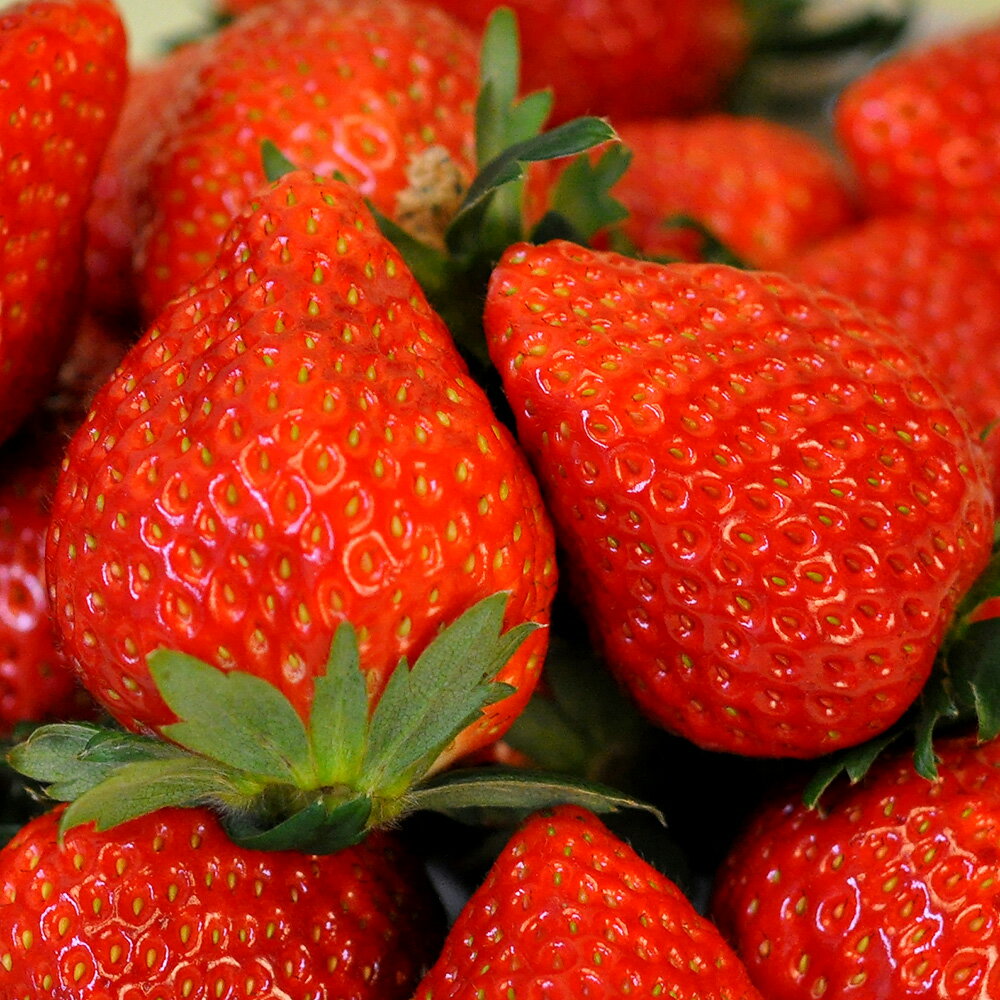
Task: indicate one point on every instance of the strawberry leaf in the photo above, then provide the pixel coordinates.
(338, 724)
(274, 161)
(315, 829)
(234, 718)
(465, 794)
(423, 709)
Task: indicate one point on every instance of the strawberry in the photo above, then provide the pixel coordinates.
(113, 217)
(168, 906)
(887, 890)
(768, 505)
(765, 190)
(294, 445)
(381, 92)
(920, 129)
(569, 910)
(62, 63)
(939, 295)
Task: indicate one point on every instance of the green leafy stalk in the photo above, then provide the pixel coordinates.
(278, 782)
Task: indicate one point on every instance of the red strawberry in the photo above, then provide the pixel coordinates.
(293, 445)
(625, 60)
(569, 910)
(940, 296)
(888, 889)
(921, 129)
(769, 507)
(764, 189)
(167, 906)
(63, 70)
(372, 90)
(157, 92)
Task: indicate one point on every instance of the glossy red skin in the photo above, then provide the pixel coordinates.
(167, 905)
(340, 86)
(889, 887)
(624, 59)
(765, 189)
(939, 295)
(920, 129)
(253, 475)
(768, 507)
(62, 63)
(570, 911)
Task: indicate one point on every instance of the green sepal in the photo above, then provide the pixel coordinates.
(424, 708)
(854, 762)
(276, 164)
(232, 717)
(315, 829)
(69, 759)
(143, 787)
(474, 794)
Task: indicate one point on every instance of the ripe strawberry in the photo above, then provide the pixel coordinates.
(887, 890)
(768, 506)
(940, 296)
(62, 63)
(625, 60)
(167, 906)
(36, 681)
(921, 129)
(293, 445)
(368, 89)
(569, 910)
(113, 217)
(764, 189)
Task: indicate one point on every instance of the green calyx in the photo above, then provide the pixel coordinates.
(280, 783)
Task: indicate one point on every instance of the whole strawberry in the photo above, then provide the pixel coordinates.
(294, 445)
(381, 93)
(166, 905)
(62, 76)
(569, 911)
(888, 889)
(920, 129)
(764, 189)
(768, 505)
(938, 294)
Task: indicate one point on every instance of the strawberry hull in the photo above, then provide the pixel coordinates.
(769, 507)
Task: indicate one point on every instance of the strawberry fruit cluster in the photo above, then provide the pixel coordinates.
(409, 480)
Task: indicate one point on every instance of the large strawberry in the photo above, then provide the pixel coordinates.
(568, 910)
(294, 445)
(888, 889)
(168, 906)
(62, 76)
(769, 506)
(381, 92)
(938, 294)
(920, 129)
(765, 190)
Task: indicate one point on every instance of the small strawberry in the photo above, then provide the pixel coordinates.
(939, 295)
(765, 190)
(569, 911)
(63, 73)
(168, 906)
(768, 505)
(888, 889)
(921, 129)
(372, 90)
(294, 445)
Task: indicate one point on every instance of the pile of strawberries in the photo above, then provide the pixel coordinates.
(416, 479)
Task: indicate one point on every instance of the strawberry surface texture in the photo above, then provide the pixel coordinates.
(167, 906)
(769, 505)
(294, 444)
(62, 78)
(887, 890)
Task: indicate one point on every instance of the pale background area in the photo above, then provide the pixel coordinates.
(150, 21)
